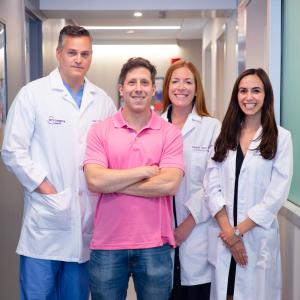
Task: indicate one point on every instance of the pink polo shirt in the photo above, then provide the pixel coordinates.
(133, 222)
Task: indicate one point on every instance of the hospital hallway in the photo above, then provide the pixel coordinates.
(222, 39)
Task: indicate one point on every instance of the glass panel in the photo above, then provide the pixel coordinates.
(290, 104)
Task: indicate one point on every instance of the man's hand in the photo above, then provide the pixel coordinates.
(165, 183)
(150, 171)
(46, 188)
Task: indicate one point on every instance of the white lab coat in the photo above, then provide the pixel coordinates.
(45, 136)
(262, 189)
(199, 134)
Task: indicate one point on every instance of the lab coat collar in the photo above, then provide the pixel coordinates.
(191, 122)
(56, 83)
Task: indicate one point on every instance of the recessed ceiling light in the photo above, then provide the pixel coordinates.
(132, 27)
(138, 14)
(130, 31)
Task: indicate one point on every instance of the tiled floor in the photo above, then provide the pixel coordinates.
(131, 293)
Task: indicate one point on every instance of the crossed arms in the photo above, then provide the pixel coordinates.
(147, 181)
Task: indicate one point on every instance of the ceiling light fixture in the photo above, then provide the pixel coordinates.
(138, 14)
(132, 27)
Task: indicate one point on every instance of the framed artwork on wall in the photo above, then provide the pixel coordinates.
(158, 97)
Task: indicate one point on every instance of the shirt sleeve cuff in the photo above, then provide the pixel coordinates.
(197, 207)
(215, 204)
(34, 181)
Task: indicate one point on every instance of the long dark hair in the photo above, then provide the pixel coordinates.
(231, 126)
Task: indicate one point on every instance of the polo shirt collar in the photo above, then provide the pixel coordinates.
(154, 122)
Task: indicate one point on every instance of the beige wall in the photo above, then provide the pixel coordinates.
(51, 29)
(108, 59)
(256, 35)
(289, 220)
(11, 204)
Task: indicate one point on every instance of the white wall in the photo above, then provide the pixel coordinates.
(212, 31)
(11, 203)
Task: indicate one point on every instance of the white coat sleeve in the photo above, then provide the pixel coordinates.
(19, 130)
(197, 205)
(263, 213)
(112, 107)
(212, 185)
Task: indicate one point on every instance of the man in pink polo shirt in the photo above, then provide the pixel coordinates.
(134, 160)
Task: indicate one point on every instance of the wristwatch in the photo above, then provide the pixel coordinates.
(237, 233)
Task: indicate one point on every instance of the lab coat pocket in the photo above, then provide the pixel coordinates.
(52, 211)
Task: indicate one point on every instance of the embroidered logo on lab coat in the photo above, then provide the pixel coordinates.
(199, 148)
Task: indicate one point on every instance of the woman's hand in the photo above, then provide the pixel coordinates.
(182, 232)
(236, 246)
(239, 253)
(228, 237)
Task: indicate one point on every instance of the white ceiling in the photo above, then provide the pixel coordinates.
(192, 19)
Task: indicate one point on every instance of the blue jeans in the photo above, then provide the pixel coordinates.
(151, 270)
(42, 279)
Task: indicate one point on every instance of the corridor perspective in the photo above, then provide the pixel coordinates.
(221, 38)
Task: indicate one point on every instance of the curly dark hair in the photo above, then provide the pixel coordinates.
(137, 62)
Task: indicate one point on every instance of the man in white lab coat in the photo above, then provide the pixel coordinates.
(44, 145)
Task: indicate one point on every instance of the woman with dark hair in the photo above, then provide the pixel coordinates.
(247, 181)
(184, 106)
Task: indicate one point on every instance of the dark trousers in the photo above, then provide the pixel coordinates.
(184, 292)
(231, 277)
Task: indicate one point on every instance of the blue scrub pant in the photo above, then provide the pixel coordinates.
(42, 279)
